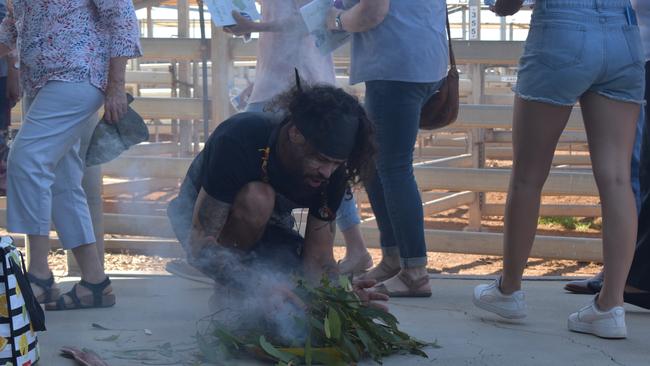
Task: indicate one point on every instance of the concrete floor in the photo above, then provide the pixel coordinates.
(169, 307)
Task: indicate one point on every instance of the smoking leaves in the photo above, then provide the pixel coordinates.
(340, 331)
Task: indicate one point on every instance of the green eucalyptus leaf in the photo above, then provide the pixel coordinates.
(272, 351)
(326, 326)
(334, 323)
(345, 283)
(308, 350)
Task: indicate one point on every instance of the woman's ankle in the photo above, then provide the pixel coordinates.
(508, 287)
(606, 303)
(40, 273)
(392, 261)
(416, 272)
(356, 253)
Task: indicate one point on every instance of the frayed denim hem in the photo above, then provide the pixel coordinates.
(543, 100)
(619, 99)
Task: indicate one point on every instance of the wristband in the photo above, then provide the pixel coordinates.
(337, 22)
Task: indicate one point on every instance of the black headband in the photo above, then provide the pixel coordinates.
(337, 140)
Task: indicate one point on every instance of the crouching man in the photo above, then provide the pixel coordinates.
(234, 207)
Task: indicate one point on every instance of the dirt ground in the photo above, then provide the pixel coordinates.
(440, 263)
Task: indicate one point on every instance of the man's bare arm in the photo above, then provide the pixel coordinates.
(208, 220)
(318, 255)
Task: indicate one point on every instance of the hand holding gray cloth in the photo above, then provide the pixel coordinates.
(110, 140)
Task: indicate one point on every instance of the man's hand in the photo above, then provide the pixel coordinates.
(244, 26)
(115, 102)
(363, 289)
(280, 295)
(331, 18)
(506, 7)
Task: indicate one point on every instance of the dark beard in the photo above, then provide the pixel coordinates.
(302, 191)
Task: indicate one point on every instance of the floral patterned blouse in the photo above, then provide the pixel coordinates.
(69, 40)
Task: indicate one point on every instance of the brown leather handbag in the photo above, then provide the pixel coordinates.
(442, 108)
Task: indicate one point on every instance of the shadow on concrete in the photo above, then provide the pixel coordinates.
(170, 307)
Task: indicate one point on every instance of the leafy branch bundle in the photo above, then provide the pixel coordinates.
(338, 330)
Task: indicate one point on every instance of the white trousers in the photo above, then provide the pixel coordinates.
(45, 171)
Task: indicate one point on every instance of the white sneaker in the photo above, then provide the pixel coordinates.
(489, 297)
(604, 324)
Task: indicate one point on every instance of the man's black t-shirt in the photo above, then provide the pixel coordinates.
(233, 157)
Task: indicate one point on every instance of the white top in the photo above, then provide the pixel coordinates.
(642, 8)
(279, 53)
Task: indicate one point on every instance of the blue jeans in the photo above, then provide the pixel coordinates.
(347, 215)
(394, 107)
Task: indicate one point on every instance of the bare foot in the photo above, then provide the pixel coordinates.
(387, 268)
(43, 287)
(396, 284)
(355, 263)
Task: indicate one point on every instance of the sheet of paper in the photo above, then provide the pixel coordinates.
(221, 10)
(315, 16)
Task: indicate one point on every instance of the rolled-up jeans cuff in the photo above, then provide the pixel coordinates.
(413, 262)
(390, 251)
(347, 221)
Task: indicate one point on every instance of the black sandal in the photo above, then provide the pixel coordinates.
(99, 299)
(50, 293)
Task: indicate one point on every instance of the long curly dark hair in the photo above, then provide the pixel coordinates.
(324, 104)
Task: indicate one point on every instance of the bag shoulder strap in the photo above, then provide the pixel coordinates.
(452, 57)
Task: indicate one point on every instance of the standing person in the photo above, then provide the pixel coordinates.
(637, 291)
(399, 49)
(66, 79)
(285, 45)
(576, 50)
(9, 96)
(594, 284)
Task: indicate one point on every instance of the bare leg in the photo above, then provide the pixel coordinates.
(354, 243)
(535, 132)
(91, 268)
(39, 248)
(249, 215)
(610, 127)
(357, 259)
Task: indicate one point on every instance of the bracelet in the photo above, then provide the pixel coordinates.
(337, 22)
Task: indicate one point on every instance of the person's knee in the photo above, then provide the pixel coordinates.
(527, 180)
(21, 162)
(612, 179)
(254, 204)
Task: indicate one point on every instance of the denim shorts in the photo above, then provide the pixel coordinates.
(580, 46)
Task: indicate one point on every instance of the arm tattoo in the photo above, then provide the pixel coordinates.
(319, 254)
(208, 220)
(211, 215)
